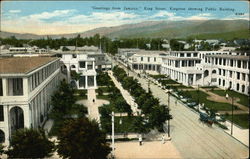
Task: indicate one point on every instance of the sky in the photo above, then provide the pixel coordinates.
(62, 17)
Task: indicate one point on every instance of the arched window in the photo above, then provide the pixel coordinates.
(206, 73)
(16, 118)
(214, 71)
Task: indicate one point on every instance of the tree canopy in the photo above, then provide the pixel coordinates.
(30, 143)
(82, 139)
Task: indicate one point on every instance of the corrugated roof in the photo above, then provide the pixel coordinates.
(22, 64)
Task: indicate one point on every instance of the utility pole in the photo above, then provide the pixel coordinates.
(113, 134)
(148, 86)
(168, 113)
(232, 115)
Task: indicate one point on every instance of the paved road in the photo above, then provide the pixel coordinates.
(194, 139)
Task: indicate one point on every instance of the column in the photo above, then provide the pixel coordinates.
(194, 79)
(6, 123)
(95, 81)
(86, 82)
(68, 73)
(26, 116)
(5, 88)
(25, 86)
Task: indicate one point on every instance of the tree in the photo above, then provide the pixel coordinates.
(63, 99)
(1, 149)
(74, 75)
(30, 143)
(140, 125)
(82, 139)
(65, 49)
(99, 91)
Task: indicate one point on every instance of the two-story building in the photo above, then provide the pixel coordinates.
(26, 87)
(81, 64)
(147, 61)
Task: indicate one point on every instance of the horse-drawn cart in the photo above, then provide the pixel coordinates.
(206, 118)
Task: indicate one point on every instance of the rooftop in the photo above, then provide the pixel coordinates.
(236, 57)
(22, 64)
(149, 52)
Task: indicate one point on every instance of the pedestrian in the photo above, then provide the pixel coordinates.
(227, 96)
(163, 139)
(140, 140)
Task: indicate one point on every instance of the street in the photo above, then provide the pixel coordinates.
(192, 138)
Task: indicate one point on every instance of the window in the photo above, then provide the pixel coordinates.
(224, 62)
(238, 75)
(182, 55)
(243, 76)
(239, 64)
(219, 71)
(1, 87)
(15, 86)
(141, 58)
(231, 63)
(90, 65)
(243, 88)
(244, 64)
(224, 72)
(188, 55)
(82, 81)
(195, 54)
(155, 59)
(1, 113)
(82, 64)
(230, 74)
(220, 61)
(74, 55)
(90, 81)
(148, 59)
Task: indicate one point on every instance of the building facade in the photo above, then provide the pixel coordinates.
(147, 61)
(26, 87)
(81, 64)
(225, 69)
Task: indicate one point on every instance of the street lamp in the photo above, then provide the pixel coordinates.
(198, 94)
(168, 112)
(148, 86)
(232, 115)
(113, 133)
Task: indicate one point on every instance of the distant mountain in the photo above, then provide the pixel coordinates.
(159, 29)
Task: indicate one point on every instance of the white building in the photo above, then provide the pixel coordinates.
(147, 61)
(125, 53)
(26, 87)
(224, 69)
(27, 49)
(232, 71)
(180, 66)
(80, 63)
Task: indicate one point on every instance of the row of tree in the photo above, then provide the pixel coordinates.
(154, 114)
(105, 43)
(117, 103)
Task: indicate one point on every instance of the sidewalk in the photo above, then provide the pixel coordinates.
(129, 99)
(240, 134)
(148, 150)
(93, 111)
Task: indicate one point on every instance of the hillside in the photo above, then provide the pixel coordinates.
(160, 29)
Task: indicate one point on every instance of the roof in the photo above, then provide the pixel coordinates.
(236, 57)
(22, 64)
(149, 52)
